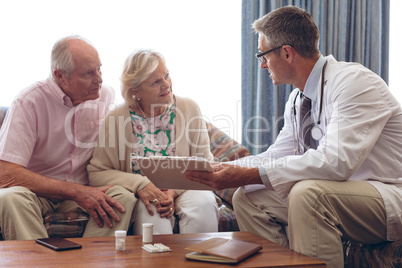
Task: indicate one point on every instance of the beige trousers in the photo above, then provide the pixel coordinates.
(197, 212)
(127, 200)
(21, 213)
(319, 215)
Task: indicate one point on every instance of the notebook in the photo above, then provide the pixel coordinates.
(167, 172)
(221, 250)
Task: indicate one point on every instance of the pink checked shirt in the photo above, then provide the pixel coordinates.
(45, 133)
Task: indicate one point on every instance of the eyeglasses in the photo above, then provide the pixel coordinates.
(260, 56)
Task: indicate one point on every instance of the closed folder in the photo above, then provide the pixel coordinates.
(222, 250)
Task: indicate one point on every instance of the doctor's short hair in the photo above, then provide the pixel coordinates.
(138, 66)
(61, 57)
(290, 25)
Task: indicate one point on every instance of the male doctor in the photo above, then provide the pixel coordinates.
(333, 174)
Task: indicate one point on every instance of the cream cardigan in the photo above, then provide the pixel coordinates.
(111, 160)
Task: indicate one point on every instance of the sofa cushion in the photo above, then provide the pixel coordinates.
(225, 149)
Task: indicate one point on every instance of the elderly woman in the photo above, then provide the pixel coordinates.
(153, 121)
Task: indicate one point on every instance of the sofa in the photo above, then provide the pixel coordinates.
(224, 149)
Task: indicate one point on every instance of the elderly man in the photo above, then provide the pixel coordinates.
(47, 140)
(335, 169)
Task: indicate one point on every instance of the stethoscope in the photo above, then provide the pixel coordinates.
(316, 132)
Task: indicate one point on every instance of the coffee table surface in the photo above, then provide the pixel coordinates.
(100, 252)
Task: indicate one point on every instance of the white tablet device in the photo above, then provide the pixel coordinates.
(167, 172)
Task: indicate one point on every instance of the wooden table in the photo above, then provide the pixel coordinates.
(100, 252)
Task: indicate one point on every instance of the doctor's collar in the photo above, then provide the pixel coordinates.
(311, 87)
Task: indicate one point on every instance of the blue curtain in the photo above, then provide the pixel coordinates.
(351, 30)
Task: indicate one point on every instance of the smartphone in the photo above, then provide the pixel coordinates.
(58, 243)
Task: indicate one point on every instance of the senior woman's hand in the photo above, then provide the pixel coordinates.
(167, 206)
(151, 194)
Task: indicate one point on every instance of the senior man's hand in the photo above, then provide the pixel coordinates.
(226, 176)
(98, 204)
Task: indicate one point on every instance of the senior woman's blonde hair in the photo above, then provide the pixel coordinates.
(138, 67)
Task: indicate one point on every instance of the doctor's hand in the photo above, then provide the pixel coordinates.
(151, 194)
(226, 176)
